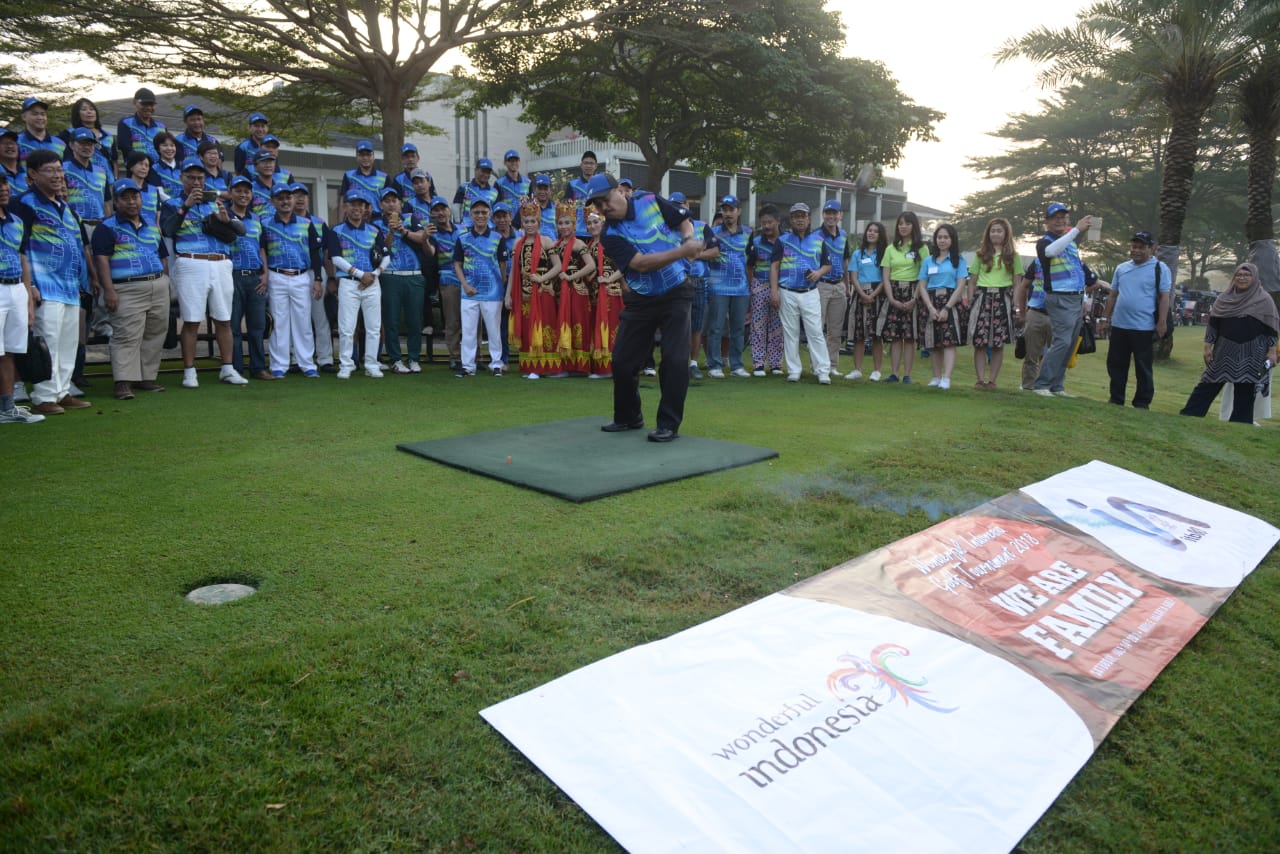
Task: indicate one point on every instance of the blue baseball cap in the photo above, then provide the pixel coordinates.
(730, 201)
(258, 117)
(599, 186)
(437, 201)
(125, 185)
(1055, 208)
(407, 147)
(502, 207)
(281, 189)
(193, 163)
(82, 135)
(354, 195)
(389, 191)
(484, 163)
(626, 182)
(484, 202)
(297, 187)
(8, 132)
(677, 197)
(542, 179)
(364, 145)
(33, 102)
(191, 108)
(832, 205)
(511, 153)
(269, 139)
(241, 179)
(263, 154)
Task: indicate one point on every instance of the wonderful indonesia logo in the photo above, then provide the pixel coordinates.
(800, 729)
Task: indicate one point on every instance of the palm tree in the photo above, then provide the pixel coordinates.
(1181, 52)
(1258, 105)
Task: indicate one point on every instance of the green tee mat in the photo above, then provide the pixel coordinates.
(577, 461)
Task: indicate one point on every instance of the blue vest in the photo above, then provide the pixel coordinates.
(87, 189)
(17, 181)
(190, 236)
(170, 178)
(837, 245)
(648, 232)
(729, 271)
(471, 192)
(512, 191)
(11, 229)
(135, 136)
(288, 244)
(481, 257)
(445, 241)
(799, 256)
(244, 252)
(404, 255)
(1066, 272)
(763, 249)
(28, 143)
(135, 251)
(188, 146)
(55, 249)
(354, 243)
(370, 184)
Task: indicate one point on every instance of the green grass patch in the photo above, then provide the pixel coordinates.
(337, 707)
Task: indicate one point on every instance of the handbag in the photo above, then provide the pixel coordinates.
(1088, 343)
(1020, 346)
(35, 365)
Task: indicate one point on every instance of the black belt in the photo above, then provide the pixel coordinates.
(91, 221)
(247, 272)
(286, 272)
(10, 281)
(1041, 310)
(833, 281)
(798, 290)
(150, 278)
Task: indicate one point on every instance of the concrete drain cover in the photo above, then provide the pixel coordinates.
(216, 594)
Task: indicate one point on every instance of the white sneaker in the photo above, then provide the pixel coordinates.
(189, 379)
(532, 376)
(855, 374)
(373, 371)
(742, 372)
(944, 383)
(836, 374)
(20, 415)
(716, 373)
(596, 376)
(793, 378)
(759, 372)
(1062, 393)
(875, 376)
(650, 372)
(399, 368)
(20, 393)
(824, 379)
(777, 372)
(344, 373)
(1043, 392)
(415, 368)
(933, 383)
(231, 376)
(496, 370)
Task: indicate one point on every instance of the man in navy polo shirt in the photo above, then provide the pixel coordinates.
(512, 186)
(265, 182)
(729, 291)
(249, 300)
(36, 136)
(131, 263)
(55, 245)
(291, 255)
(1064, 286)
(189, 140)
(577, 190)
(201, 271)
(652, 242)
(479, 187)
(833, 296)
(350, 248)
(444, 237)
(403, 180)
(1137, 306)
(546, 207)
(138, 132)
(248, 147)
(10, 164)
(365, 177)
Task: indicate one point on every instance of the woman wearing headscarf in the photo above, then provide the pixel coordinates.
(1239, 345)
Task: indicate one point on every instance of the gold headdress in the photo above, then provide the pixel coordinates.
(529, 208)
(567, 208)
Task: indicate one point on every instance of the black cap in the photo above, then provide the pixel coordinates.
(1143, 237)
(144, 96)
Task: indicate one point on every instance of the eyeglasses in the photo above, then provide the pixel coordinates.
(51, 169)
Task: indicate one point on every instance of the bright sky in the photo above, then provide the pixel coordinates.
(964, 83)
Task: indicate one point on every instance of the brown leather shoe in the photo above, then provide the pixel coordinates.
(48, 409)
(123, 391)
(265, 375)
(148, 385)
(70, 402)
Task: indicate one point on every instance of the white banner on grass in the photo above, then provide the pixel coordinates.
(934, 695)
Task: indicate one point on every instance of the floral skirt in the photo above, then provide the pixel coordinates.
(991, 318)
(896, 324)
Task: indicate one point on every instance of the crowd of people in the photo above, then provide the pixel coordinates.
(110, 229)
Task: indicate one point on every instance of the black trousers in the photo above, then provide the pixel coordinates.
(641, 317)
(1204, 394)
(1135, 345)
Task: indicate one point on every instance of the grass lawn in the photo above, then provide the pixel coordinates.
(337, 708)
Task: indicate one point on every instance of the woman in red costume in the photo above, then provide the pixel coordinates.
(577, 275)
(531, 298)
(608, 301)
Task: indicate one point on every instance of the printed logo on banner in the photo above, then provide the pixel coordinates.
(865, 686)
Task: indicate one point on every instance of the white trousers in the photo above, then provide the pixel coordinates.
(473, 310)
(290, 301)
(324, 335)
(803, 308)
(351, 301)
(59, 323)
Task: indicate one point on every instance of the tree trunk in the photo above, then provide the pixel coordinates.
(1260, 114)
(1164, 346)
(391, 105)
(1175, 183)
